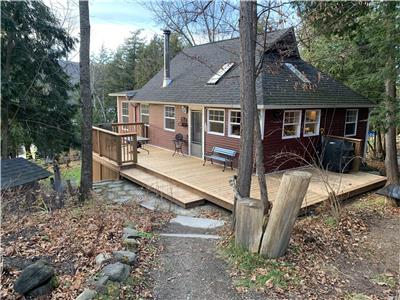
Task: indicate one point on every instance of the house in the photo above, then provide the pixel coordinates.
(197, 94)
(19, 172)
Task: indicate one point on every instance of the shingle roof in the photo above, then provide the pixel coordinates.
(193, 67)
(19, 171)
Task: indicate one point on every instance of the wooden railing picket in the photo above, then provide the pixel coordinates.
(119, 147)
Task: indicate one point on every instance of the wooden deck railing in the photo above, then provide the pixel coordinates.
(139, 128)
(118, 147)
(357, 150)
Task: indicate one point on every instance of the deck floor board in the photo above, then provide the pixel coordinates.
(188, 174)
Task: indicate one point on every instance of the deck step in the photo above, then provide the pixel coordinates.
(180, 195)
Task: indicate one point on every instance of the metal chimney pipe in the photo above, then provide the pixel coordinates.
(167, 70)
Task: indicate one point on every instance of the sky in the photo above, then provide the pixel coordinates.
(111, 22)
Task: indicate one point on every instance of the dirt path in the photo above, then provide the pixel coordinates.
(190, 269)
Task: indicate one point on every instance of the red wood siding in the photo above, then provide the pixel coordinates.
(158, 135)
(332, 122)
(224, 141)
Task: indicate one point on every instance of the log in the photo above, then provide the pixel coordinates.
(284, 212)
(249, 224)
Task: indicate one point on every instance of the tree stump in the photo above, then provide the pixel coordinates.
(284, 212)
(249, 224)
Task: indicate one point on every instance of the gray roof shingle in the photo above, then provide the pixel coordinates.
(19, 171)
(193, 67)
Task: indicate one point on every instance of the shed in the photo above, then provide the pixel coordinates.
(19, 171)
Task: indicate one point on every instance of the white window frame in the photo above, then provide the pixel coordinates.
(230, 134)
(298, 127)
(208, 122)
(171, 118)
(148, 113)
(318, 122)
(356, 122)
(122, 111)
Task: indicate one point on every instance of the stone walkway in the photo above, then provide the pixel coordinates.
(189, 267)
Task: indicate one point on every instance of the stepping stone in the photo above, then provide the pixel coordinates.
(117, 272)
(197, 222)
(127, 257)
(192, 236)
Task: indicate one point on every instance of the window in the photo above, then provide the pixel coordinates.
(169, 118)
(291, 124)
(221, 72)
(311, 122)
(144, 113)
(234, 123)
(296, 72)
(216, 121)
(125, 112)
(350, 127)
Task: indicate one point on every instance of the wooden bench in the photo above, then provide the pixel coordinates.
(222, 155)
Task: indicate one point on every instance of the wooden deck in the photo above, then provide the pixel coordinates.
(183, 180)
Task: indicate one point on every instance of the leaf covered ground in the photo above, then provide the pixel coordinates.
(354, 258)
(70, 238)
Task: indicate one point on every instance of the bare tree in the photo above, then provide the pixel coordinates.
(198, 20)
(391, 163)
(86, 101)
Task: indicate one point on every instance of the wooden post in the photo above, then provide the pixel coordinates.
(284, 212)
(357, 159)
(134, 146)
(119, 149)
(249, 224)
(98, 142)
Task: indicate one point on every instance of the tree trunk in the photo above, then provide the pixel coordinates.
(391, 163)
(4, 131)
(260, 168)
(379, 146)
(5, 101)
(284, 212)
(86, 100)
(247, 22)
(249, 226)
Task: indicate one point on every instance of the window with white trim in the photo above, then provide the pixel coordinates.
(234, 123)
(312, 120)
(169, 118)
(350, 127)
(144, 113)
(291, 124)
(125, 112)
(216, 121)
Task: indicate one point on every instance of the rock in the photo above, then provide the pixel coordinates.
(131, 243)
(87, 294)
(130, 233)
(103, 258)
(129, 224)
(100, 283)
(92, 227)
(126, 257)
(33, 276)
(44, 289)
(117, 272)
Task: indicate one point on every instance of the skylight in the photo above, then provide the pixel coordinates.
(221, 72)
(296, 72)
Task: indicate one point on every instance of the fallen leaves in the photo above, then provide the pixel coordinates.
(71, 237)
